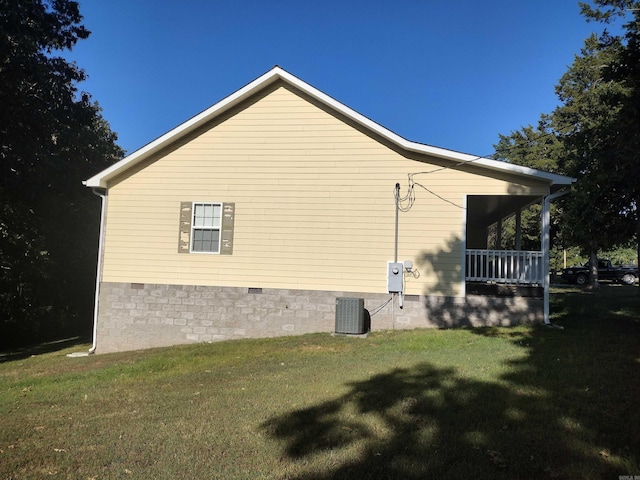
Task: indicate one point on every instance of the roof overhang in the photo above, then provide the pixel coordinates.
(276, 74)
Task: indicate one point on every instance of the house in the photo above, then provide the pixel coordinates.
(255, 217)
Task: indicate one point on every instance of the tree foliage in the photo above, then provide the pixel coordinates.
(52, 136)
(600, 95)
(536, 147)
(594, 133)
(589, 116)
(625, 70)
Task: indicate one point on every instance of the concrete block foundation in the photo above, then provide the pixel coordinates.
(134, 316)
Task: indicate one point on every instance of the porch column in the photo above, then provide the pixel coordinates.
(519, 229)
(499, 235)
(546, 243)
(546, 222)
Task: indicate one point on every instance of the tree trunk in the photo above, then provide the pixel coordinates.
(593, 266)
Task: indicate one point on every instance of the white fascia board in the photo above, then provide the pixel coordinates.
(101, 179)
(552, 178)
(451, 155)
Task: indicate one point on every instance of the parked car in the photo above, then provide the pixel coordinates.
(606, 271)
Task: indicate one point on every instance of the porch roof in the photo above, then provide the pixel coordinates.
(484, 210)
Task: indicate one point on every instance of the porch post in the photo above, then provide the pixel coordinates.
(546, 223)
(499, 235)
(519, 229)
(463, 286)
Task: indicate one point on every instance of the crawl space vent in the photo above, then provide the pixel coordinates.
(350, 315)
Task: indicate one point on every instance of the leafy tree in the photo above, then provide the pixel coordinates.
(536, 147)
(593, 135)
(625, 70)
(601, 96)
(51, 137)
(590, 115)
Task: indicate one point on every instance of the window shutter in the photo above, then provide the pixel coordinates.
(184, 238)
(226, 233)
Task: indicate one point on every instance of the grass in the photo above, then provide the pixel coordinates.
(525, 402)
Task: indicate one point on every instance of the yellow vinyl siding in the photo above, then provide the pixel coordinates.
(314, 206)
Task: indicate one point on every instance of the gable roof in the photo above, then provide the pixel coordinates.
(278, 74)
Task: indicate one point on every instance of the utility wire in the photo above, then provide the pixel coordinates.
(380, 307)
(438, 196)
(406, 202)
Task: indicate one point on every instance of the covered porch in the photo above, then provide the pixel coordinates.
(488, 266)
(489, 258)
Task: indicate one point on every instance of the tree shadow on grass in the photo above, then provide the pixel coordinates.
(422, 422)
(591, 368)
(41, 348)
(566, 409)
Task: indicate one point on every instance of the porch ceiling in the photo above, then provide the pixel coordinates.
(484, 210)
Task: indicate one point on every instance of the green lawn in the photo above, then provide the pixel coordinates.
(526, 402)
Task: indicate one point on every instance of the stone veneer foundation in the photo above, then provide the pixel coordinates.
(135, 316)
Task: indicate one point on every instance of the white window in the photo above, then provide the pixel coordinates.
(205, 227)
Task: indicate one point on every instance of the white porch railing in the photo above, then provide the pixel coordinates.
(504, 266)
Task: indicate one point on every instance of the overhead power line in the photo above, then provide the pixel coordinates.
(406, 202)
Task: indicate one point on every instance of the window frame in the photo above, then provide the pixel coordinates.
(215, 228)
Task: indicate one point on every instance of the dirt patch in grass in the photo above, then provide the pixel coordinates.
(316, 348)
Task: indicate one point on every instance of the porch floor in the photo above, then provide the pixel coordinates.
(504, 290)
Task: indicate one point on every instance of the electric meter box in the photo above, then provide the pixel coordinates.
(395, 277)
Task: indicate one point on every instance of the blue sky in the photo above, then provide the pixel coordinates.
(452, 74)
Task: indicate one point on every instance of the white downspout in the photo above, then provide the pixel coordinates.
(546, 243)
(103, 198)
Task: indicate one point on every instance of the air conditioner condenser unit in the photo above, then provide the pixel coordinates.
(350, 316)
